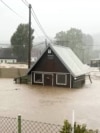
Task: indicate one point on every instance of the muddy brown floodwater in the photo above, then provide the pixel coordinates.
(51, 104)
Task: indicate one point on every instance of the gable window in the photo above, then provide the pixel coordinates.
(38, 78)
(49, 51)
(61, 79)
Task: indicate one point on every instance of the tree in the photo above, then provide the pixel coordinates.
(88, 47)
(79, 42)
(67, 128)
(61, 38)
(20, 42)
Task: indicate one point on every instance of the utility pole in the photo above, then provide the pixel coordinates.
(29, 48)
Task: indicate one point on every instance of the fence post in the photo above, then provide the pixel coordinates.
(19, 123)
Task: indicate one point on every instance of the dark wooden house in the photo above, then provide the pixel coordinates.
(58, 66)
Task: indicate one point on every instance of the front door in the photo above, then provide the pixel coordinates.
(47, 79)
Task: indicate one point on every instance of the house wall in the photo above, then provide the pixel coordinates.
(78, 82)
(95, 63)
(50, 65)
(8, 61)
(68, 81)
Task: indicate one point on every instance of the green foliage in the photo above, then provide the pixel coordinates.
(20, 42)
(67, 128)
(79, 42)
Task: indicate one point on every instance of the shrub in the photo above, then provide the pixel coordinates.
(67, 128)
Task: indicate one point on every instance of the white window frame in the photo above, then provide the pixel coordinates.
(42, 77)
(57, 79)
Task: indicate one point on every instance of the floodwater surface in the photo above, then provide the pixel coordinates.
(51, 104)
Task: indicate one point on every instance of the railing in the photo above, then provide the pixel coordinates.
(18, 125)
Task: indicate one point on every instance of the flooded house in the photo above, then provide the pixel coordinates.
(58, 66)
(7, 56)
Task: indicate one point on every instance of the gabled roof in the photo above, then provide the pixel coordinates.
(68, 59)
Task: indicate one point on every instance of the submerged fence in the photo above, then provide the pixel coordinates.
(18, 125)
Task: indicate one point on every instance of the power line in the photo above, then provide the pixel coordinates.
(61, 45)
(33, 14)
(11, 9)
(38, 35)
(36, 20)
(25, 3)
(39, 24)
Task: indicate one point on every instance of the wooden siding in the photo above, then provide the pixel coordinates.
(48, 64)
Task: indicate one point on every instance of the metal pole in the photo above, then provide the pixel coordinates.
(29, 49)
(70, 81)
(19, 123)
(73, 121)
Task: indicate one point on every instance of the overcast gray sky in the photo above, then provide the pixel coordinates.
(54, 16)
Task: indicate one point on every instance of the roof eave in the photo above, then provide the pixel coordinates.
(37, 60)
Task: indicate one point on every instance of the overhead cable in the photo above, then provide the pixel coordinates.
(36, 19)
(25, 3)
(11, 9)
(38, 23)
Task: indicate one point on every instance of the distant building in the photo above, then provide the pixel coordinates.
(7, 56)
(58, 66)
(4, 45)
(95, 62)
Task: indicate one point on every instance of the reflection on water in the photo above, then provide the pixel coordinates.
(51, 104)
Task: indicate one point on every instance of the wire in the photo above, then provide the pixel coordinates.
(25, 3)
(38, 44)
(11, 9)
(40, 26)
(36, 20)
(33, 14)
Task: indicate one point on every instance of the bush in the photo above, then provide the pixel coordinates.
(67, 128)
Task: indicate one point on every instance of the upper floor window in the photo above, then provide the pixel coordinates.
(49, 51)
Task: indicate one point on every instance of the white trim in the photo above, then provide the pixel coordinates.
(70, 81)
(52, 79)
(57, 79)
(42, 77)
(31, 78)
(50, 72)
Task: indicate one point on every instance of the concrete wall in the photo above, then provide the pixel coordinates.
(12, 72)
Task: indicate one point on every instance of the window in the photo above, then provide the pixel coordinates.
(38, 78)
(61, 79)
(49, 51)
